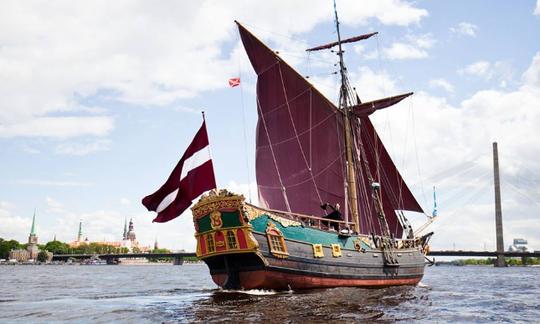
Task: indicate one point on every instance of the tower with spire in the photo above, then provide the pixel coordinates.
(32, 247)
(79, 234)
(124, 236)
(131, 232)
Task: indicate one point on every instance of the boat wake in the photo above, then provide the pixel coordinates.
(422, 285)
(252, 292)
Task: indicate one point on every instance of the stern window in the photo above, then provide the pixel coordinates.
(231, 240)
(210, 243)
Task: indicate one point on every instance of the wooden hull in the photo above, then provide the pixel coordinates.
(246, 247)
(300, 270)
(277, 280)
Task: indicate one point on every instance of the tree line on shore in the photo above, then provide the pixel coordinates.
(57, 247)
(491, 261)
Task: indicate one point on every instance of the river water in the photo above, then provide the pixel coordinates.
(160, 293)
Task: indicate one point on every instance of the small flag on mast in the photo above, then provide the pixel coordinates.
(193, 175)
(234, 82)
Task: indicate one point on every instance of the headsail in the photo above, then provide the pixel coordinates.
(300, 157)
(395, 193)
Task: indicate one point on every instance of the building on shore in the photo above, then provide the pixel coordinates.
(519, 245)
(129, 239)
(32, 249)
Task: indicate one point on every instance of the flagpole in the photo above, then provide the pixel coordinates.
(209, 151)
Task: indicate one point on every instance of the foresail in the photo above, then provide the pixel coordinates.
(300, 150)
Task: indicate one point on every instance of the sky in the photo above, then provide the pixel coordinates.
(100, 100)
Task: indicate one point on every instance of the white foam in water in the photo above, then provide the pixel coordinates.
(422, 285)
(259, 292)
(254, 292)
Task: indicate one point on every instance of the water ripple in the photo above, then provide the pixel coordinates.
(186, 294)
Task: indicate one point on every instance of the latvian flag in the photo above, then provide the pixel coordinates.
(193, 175)
(234, 82)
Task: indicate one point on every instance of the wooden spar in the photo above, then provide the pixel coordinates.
(345, 107)
(348, 40)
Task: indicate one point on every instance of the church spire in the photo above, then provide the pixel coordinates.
(124, 237)
(33, 229)
(79, 235)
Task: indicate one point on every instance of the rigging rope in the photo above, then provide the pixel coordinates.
(283, 190)
(244, 124)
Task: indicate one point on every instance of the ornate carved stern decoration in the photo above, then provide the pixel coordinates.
(220, 225)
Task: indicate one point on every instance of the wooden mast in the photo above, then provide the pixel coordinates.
(345, 107)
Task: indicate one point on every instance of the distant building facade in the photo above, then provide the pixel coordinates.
(519, 245)
(129, 239)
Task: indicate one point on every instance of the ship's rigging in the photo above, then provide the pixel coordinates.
(310, 152)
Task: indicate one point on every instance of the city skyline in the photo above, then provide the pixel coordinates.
(94, 120)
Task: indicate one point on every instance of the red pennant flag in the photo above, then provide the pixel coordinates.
(193, 175)
(234, 82)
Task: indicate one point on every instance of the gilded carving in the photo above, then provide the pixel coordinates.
(251, 213)
(336, 250)
(276, 242)
(215, 201)
(215, 219)
(318, 251)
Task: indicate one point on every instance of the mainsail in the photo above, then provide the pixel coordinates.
(300, 149)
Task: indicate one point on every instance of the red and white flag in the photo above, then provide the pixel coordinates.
(193, 175)
(234, 82)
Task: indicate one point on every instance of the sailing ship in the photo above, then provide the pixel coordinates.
(331, 199)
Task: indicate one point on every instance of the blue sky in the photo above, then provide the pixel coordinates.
(100, 102)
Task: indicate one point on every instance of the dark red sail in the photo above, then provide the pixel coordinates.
(377, 163)
(300, 156)
(368, 108)
(300, 150)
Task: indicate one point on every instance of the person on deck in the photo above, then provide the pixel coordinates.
(335, 214)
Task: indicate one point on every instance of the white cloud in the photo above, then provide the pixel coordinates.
(453, 146)
(531, 77)
(537, 9)
(413, 47)
(388, 12)
(465, 28)
(83, 148)
(249, 191)
(30, 150)
(500, 71)
(442, 84)
(58, 127)
(53, 183)
(13, 227)
(56, 55)
(359, 49)
(6, 205)
(402, 51)
(480, 68)
(125, 201)
(54, 206)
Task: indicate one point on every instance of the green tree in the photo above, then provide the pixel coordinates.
(42, 256)
(57, 247)
(160, 259)
(6, 246)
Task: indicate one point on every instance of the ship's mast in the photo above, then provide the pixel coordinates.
(344, 105)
